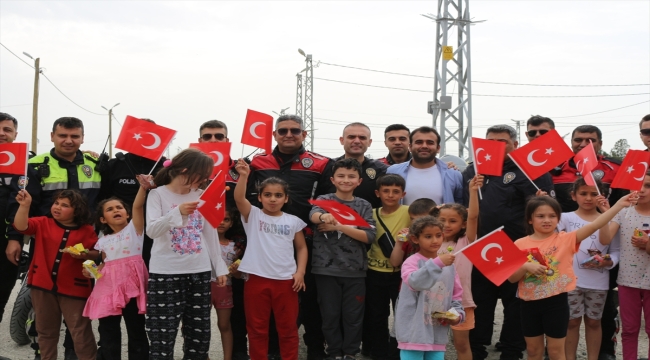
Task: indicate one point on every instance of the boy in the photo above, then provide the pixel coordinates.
(418, 208)
(383, 279)
(339, 263)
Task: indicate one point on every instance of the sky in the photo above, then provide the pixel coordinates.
(181, 63)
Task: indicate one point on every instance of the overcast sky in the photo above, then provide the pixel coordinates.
(181, 63)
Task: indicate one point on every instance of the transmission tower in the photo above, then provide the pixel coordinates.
(299, 94)
(308, 109)
(453, 68)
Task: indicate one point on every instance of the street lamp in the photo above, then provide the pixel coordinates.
(110, 129)
(37, 70)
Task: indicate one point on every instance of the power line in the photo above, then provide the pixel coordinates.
(477, 81)
(600, 112)
(486, 95)
(19, 58)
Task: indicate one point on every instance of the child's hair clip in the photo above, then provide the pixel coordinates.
(167, 163)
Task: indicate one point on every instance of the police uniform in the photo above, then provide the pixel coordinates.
(566, 174)
(304, 171)
(370, 171)
(388, 160)
(503, 204)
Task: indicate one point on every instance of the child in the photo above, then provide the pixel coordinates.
(339, 263)
(588, 298)
(383, 279)
(634, 271)
(222, 298)
(57, 285)
(403, 249)
(459, 230)
(184, 258)
(429, 284)
(121, 291)
(545, 306)
(274, 279)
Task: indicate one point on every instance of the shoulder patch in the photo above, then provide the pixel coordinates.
(508, 177)
(371, 173)
(307, 162)
(598, 174)
(233, 174)
(87, 170)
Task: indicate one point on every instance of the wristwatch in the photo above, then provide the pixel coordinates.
(320, 217)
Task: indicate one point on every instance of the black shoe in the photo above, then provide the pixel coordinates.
(498, 346)
(70, 354)
(240, 356)
(37, 355)
(315, 355)
(273, 357)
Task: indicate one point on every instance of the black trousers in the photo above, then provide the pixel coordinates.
(111, 335)
(238, 318)
(9, 272)
(608, 321)
(382, 288)
(485, 295)
(310, 316)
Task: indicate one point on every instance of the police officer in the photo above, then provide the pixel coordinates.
(356, 140)
(396, 139)
(537, 126)
(304, 171)
(503, 204)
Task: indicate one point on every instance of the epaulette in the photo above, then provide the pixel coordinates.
(612, 160)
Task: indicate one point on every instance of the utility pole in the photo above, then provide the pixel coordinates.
(518, 122)
(455, 120)
(308, 108)
(110, 130)
(37, 71)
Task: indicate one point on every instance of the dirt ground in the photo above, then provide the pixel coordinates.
(9, 349)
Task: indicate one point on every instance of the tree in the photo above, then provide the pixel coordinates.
(620, 149)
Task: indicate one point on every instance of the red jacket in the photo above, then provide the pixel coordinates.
(53, 270)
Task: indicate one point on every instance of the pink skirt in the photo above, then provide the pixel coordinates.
(122, 280)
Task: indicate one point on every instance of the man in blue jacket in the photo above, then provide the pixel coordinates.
(425, 175)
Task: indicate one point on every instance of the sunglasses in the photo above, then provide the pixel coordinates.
(645, 132)
(532, 133)
(207, 137)
(285, 131)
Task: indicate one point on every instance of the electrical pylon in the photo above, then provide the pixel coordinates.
(455, 116)
(299, 94)
(307, 109)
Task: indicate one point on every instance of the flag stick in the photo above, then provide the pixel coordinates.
(490, 233)
(242, 151)
(594, 180)
(471, 148)
(531, 180)
(26, 165)
(161, 155)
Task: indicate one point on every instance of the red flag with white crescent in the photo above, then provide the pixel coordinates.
(342, 213)
(258, 130)
(219, 152)
(144, 138)
(632, 172)
(13, 158)
(488, 156)
(541, 155)
(212, 203)
(586, 162)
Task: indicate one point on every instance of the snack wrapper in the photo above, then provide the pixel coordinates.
(638, 232)
(450, 249)
(402, 237)
(76, 249)
(92, 269)
(450, 314)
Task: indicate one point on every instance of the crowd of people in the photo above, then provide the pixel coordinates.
(277, 262)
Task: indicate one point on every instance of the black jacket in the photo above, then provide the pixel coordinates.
(370, 171)
(504, 199)
(119, 178)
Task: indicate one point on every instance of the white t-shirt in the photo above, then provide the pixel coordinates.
(182, 244)
(122, 244)
(589, 278)
(269, 248)
(424, 183)
(228, 254)
(634, 269)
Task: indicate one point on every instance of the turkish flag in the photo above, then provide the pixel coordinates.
(258, 130)
(496, 256)
(144, 138)
(586, 161)
(342, 213)
(13, 158)
(219, 151)
(212, 203)
(541, 155)
(632, 171)
(488, 156)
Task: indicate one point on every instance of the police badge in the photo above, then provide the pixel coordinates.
(233, 174)
(371, 173)
(307, 163)
(598, 174)
(508, 177)
(87, 170)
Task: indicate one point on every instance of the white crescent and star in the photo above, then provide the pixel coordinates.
(254, 129)
(532, 161)
(11, 159)
(219, 157)
(640, 178)
(156, 141)
(348, 216)
(476, 155)
(489, 246)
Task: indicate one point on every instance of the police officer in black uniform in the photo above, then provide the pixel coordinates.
(503, 204)
(397, 140)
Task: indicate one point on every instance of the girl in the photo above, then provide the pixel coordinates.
(459, 230)
(274, 280)
(588, 298)
(545, 307)
(429, 284)
(121, 291)
(184, 258)
(57, 285)
(222, 298)
(634, 271)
